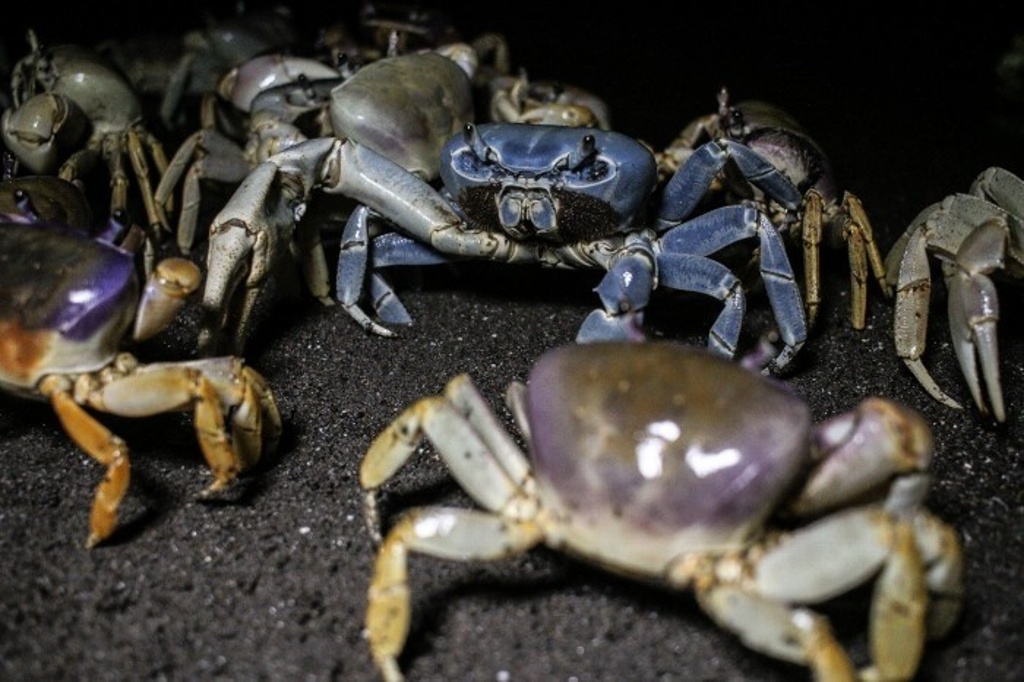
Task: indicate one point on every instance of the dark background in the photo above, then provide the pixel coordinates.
(270, 583)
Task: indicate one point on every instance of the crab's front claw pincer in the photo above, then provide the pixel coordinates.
(625, 292)
(228, 263)
(247, 238)
(40, 131)
(973, 308)
(168, 287)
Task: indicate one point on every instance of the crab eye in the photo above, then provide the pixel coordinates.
(736, 122)
(583, 153)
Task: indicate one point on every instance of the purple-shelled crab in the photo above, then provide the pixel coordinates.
(69, 302)
(670, 464)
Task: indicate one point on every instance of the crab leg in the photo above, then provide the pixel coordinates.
(388, 249)
(971, 236)
(158, 388)
(462, 534)
(795, 635)
(913, 291)
(624, 292)
(943, 559)
(136, 144)
(800, 570)
(103, 446)
(864, 255)
(483, 457)
(718, 228)
(690, 184)
(205, 155)
(487, 463)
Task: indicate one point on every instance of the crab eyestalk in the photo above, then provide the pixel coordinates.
(583, 153)
(476, 143)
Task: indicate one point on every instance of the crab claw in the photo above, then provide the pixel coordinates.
(625, 292)
(230, 254)
(38, 130)
(168, 287)
(974, 312)
(244, 245)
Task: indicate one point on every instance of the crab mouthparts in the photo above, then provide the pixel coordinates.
(525, 212)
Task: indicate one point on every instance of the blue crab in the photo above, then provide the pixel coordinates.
(638, 464)
(68, 302)
(826, 213)
(978, 238)
(525, 194)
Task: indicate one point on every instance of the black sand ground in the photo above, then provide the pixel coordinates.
(270, 584)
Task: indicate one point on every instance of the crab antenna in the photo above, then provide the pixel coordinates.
(584, 152)
(476, 143)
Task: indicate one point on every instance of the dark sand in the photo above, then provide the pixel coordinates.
(270, 584)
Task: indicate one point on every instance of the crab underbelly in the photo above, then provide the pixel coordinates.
(27, 355)
(618, 545)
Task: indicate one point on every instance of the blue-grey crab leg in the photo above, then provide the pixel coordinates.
(388, 249)
(699, 274)
(690, 184)
(716, 229)
(624, 292)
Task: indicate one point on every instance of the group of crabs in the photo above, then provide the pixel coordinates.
(632, 465)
